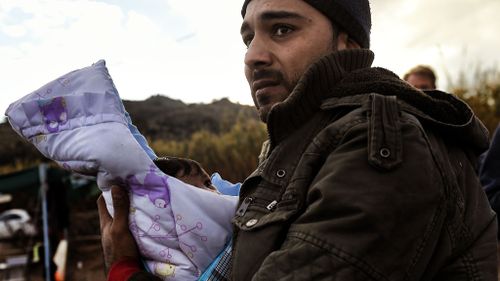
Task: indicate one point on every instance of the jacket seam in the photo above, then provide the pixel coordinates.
(427, 235)
(434, 223)
(356, 262)
(443, 163)
(471, 269)
(469, 258)
(339, 136)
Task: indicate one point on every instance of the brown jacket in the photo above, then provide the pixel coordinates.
(366, 178)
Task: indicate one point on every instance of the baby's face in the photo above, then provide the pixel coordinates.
(186, 170)
(198, 178)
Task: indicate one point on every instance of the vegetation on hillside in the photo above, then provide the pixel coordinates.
(162, 118)
(233, 154)
(481, 91)
(226, 137)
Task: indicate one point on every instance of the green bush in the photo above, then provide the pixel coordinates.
(233, 154)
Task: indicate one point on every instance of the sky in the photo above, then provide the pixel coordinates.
(191, 49)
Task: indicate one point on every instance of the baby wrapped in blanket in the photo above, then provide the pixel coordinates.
(79, 121)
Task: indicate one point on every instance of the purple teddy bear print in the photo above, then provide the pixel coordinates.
(54, 113)
(155, 186)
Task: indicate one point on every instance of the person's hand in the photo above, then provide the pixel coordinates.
(186, 170)
(117, 241)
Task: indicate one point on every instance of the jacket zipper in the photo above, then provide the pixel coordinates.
(272, 205)
(249, 200)
(244, 206)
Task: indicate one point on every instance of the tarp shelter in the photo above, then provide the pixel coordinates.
(28, 181)
(40, 181)
(22, 181)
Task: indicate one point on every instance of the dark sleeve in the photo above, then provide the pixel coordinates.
(490, 172)
(129, 269)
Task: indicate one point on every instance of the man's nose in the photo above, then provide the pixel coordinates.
(258, 54)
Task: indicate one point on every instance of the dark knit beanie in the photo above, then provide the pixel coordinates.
(352, 16)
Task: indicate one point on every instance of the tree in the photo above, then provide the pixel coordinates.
(482, 94)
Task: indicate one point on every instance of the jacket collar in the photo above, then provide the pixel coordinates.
(315, 85)
(445, 112)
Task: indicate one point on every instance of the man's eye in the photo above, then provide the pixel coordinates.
(247, 39)
(281, 30)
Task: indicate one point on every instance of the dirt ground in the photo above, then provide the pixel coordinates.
(85, 261)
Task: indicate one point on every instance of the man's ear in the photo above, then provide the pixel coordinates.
(345, 42)
(351, 44)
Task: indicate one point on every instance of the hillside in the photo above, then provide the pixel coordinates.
(162, 118)
(158, 118)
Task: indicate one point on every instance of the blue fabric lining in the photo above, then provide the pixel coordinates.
(225, 187)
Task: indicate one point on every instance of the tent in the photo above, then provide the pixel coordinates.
(44, 179)
(28, 180)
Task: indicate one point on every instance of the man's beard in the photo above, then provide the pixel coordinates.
(276, 76)
(291, 83)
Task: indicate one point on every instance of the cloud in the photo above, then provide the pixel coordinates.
(192, 50)
(449, 35)
(14, 30)
(143, 58)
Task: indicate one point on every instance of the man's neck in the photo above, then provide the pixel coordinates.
(315, 85)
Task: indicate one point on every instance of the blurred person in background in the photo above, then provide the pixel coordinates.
(421, 77)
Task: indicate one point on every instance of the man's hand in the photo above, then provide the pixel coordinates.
(117, 241)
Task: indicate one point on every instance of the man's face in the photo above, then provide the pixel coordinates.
(420, 82)
(284, 37)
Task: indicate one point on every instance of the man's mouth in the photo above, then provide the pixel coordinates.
(264, 89)
(267, 86)
(262, 84)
